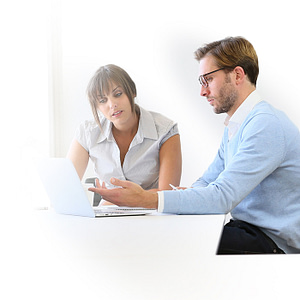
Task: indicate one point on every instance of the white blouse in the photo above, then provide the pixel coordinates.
(141, 163)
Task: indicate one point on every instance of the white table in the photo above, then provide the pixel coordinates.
(158, 236)
(132, 257)
(152, 257)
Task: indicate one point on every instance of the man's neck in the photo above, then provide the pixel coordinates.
(243, 95)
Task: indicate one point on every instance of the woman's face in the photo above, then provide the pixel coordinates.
(115, 106)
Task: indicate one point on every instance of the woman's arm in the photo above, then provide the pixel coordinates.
(79, 157)
(170, 163)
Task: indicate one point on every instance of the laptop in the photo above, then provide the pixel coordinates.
(68, 196)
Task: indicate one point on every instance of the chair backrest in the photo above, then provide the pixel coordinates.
(97, 198)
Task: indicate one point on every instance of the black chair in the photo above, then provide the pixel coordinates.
(97, 198)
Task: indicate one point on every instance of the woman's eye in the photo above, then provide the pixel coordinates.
(102, 100)
(118, 94)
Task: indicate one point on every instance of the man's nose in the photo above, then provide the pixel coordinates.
(204, 91)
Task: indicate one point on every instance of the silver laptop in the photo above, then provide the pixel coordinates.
(67, 194)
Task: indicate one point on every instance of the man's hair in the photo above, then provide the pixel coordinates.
(230, 53)
(101, 83)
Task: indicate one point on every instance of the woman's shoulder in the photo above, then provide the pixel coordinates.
(91, 124)
(160, 120)
(88, 126)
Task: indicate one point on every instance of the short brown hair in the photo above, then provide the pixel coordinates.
(232, 52)
(101, 83)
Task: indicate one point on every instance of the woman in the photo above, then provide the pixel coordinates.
(125, 141)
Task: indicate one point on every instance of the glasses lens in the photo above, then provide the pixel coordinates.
(202, 81)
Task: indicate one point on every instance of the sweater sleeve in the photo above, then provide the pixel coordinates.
(212, 173)
(253, 154)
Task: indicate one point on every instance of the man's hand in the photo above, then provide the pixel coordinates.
(130, 194)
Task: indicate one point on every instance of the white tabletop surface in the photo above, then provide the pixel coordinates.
(151, 257)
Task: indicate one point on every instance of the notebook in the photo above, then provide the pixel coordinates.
(68, 196)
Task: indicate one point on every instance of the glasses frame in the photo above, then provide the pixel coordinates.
(203, 80)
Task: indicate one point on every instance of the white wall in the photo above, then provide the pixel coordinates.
(154, 41)
(24, 113)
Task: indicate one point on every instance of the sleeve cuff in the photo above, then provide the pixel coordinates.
(161, 202)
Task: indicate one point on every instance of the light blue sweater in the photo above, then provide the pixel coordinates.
(255, 176)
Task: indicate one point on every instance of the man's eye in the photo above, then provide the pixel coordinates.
(209, 79)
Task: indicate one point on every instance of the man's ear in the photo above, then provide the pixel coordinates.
(239, 74)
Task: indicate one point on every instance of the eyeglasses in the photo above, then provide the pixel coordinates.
(202, 78)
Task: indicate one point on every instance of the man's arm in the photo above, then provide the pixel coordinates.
(259, 152)
(213, 171)
(129, 194)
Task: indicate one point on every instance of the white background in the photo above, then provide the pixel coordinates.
(52, 48)
(155, 41)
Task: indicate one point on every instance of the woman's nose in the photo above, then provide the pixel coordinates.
(112, 103)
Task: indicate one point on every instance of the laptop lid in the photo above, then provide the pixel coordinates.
(67, 195)
(63, 186)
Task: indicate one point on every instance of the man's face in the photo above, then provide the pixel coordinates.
(220, 92)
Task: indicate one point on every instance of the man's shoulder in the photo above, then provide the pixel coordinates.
(265, 112)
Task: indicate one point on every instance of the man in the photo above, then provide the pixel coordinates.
(256, 173)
